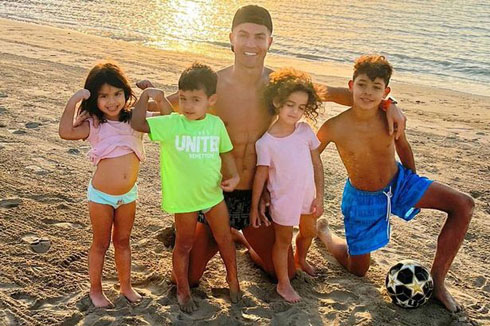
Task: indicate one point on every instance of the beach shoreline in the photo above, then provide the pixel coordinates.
(43, 194)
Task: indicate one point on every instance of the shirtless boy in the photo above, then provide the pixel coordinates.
(378, 185)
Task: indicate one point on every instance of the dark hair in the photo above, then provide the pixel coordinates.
(199, 76)
(107, 73)
(252, 14)
(284, 82)
(373, 66)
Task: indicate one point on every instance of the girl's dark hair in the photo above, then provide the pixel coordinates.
(285, 81)
(107, 73)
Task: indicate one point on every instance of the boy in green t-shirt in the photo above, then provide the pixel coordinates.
(193, 146)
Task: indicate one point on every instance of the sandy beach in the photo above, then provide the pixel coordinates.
(43, 181)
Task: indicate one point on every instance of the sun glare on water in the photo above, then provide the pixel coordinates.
(187, 26)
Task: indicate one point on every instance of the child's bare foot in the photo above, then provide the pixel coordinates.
(99, 300)
(235, 293)
(131, 295)
(288, 293)
(443, 295)
(186, 303)
(306, 267)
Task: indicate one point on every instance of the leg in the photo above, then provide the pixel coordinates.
(218, 220)
(185, 225)
(307, 231)
(101, 217)
(203, 249)
(459, 209)
(282, 244)
(240, 238)
(357, 265)
(123, 224)
(262, 240)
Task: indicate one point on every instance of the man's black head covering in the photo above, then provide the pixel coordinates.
(252, 14)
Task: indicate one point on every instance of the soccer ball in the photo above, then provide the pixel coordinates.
(409, 284)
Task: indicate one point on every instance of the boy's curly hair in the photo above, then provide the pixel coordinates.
(285, 81)
(107, 73)
(373, 66)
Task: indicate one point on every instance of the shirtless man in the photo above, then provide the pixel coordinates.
(246, 118)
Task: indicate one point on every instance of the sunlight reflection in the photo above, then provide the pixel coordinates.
(186, 27)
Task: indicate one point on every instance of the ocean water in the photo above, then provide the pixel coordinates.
(439, 42)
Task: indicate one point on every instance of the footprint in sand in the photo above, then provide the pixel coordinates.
(167, 236)
(37, 169)
(32, 125)
(73, 151)
(479, 281)
(40, 245)
(3, 109)
(10, 202)
(63, 224)
(19, 132)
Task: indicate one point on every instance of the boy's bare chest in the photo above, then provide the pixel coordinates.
(365, 142)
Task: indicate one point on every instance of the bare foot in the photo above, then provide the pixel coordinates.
(306, 267)
(288, 293)
(186, 303)
(235, 293)
(131, 295)
(443, 295)
(323, 232)
(100, 300)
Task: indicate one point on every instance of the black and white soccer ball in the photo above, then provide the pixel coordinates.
(409, 284)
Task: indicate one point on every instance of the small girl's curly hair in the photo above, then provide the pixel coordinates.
(112, 74)
(285, 81)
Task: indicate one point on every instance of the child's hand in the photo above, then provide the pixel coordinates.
(144, 84)
(317, 207)
(81, 94)
(256, 219)
(229, 185)
(155, 94)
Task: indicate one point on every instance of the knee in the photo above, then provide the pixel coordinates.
(309, 231)
(121, 243)
(224, 239)
(465, 206)
(100, 247)
(183, 245)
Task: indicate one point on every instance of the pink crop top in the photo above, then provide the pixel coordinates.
(114, 139)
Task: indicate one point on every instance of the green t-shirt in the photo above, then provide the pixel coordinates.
(190, 162)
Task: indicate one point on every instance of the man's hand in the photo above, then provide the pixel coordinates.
(396, 120)
(317, 207)
(81, 117)
(230, 184)
(144, 84)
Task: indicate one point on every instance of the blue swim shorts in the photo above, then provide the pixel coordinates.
(367, 214)
(115, 201)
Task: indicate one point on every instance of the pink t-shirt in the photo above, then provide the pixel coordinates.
(113, 139)
(291, 179)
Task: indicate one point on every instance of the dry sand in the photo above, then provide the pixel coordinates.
(44, 179)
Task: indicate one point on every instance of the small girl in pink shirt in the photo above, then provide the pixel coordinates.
(288, 162)
(116, 151)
